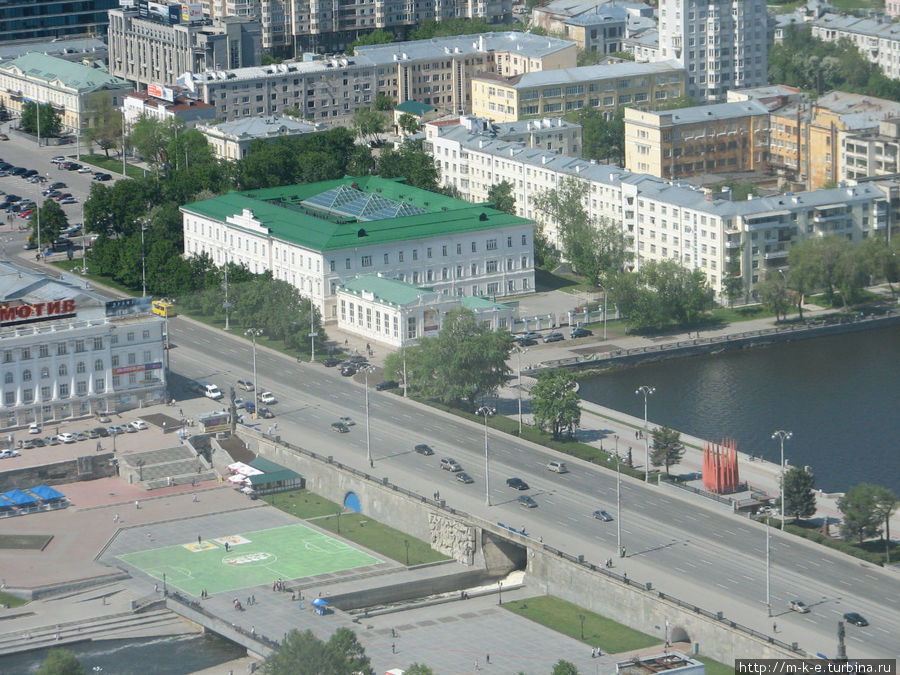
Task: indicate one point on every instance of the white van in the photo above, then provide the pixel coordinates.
(212, 391)
(558, 467)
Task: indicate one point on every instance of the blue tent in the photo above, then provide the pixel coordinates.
(20, 498)
(5, 503)
(46, 493)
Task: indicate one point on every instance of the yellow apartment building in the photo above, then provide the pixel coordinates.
(555, 92)
(716, 138)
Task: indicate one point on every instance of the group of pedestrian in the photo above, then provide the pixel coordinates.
(638, 434)
(596, 652)
(278, 585)
(204, 594)
(251, 600)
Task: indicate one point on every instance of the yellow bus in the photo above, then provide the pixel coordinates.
(163, 308)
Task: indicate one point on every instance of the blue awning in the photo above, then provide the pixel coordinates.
(19, 497)
(46, 493)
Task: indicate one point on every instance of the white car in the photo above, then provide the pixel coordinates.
(66, 438)
(9, 453)
(84, 169)
(34, 428)
(140, 425)
(267, 397)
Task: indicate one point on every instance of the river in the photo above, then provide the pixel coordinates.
(839, 395)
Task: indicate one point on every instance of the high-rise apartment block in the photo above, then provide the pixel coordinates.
(722, 44)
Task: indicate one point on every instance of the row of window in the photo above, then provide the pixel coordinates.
(64, 390)
(367, 260)
(62, 348)
(80, 367)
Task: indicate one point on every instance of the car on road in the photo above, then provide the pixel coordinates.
(463, 477)
(600, 514)
(526, 502)
(516, 483)
(246, 385)
(449, 464)
(346, 420)
(267, 397)
(66, 437)
(330, 362)
(34, 428)
(248, 406)
(799, 606)
(68, 200)
(554, 337)
(580, 332)
(4, 137)
(557, 467)
(387, 384)
(265, 413)
(212, 391)
(340, 427)
(424, 449)
(856, 619)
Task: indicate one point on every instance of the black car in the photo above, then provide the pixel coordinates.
(72, 166)
(265, 413)
(527, 502)
(340, 427)
(40, 442)
(463, 477)
(516, 483)
(387, 384)
(526, 342)
(580, 332)
(348, 371)
(358, 358)
(102, 432)
(17, 170)
(102, 176)
(856, 619)
(554, 337)
(330, 362)
(423, 449)
(13, 198)
(29, 173)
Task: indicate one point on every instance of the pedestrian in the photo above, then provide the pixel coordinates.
(199, 539)
(252, 630)
(487, 658)
(274, 584)
(625, 576)
(253, 598)
(156, 588)
(774, 627)
(393, 648)
(196, 499)
(180, 412)
(593, 653)
(248, 601)
(99, 446)
(137, 504)
(116, 518)
(476, 665)
(227, 547)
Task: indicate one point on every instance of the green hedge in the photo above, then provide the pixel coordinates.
(868, 551)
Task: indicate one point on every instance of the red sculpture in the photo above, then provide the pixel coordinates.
(720, 467)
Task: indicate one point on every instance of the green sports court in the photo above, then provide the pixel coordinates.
(253, 559)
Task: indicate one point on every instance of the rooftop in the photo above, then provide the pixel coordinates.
(385, 289)
(59, 72)
(17, 282)
(328, 215)
(872, 27)
(414, 108)
(707, 113)
(858, 111)
(562, 76)
(260, 127)
(526, 44)
(68, 48)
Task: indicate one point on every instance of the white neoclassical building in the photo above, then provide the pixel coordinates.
(318, 236)
(68, 352)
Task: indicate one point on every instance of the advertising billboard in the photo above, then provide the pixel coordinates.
(128, 306)
(161, 92)
(191, 12)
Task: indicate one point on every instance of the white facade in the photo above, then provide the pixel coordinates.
(82, 363)
(663, 220)
(877, 40)
(231, 140)
(722, 44)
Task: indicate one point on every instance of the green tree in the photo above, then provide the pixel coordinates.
(564, 668)
(367, 123)
(774, 295)
(799, 498)
(805, 270)
(733, 283)
(151, 137)
(410, 162)
(502, 197)
(376, 37)
(345, 643)
(678, 103)
(666, 448)
(50, 120)
(304, 654)
(408, 123)
(555, 403)
(383, 102)
(466, 360)
(106, 124)
(602, 138)
(418, 669)
(546, 256)
(861, 517)
(885, 505)
(61, 662)
(52, 221)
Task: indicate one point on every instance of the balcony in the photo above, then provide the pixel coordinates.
(732, 244)
(775, 255)
(829, 216)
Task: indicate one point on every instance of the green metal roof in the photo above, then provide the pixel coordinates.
(265, 465)
(69, 75)
(385, 289)
(273, 477)
(414, 108)
(479, 303)
(281, 210)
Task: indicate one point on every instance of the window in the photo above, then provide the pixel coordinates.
(509, 242)
(444, 250)
(98, 364)
(80, 367)
(474, 269)
(132, 359)
(8, 378)
(347, 263)
(474, 247)
(27, 395)
(114, 361)
(61, 349)
(459, 249)
(366, 261)
(524, 240)
(491, 245)
(400, 256)
(146, 336)
(415, 254)
(131, 337)
(427, 252)
(98, 343)
(491, 266)
(63, 370)
(26, 354)
(81, 388)
(26, 375)
(99, 385)
(63, 390)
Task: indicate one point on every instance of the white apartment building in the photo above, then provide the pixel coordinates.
(877, 39)
(232, 140)
(436, 72)
(318, 236)
(664, 220)
(549, 133)
(68, 352)
(722, 44)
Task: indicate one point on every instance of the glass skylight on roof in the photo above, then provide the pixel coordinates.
(349, 202)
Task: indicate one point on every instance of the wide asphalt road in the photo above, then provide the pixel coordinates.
(684, 546)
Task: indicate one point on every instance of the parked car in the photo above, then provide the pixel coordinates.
(448, 464)
(267, 397)
(84, 169)
(102, 432)
(856, 619)
(53, 441)
(600, 514)
(387, 384)
(799, 606)
(72, 166)
(128, 429)
(81, 436)
(68, 200)
(115, 430)
(424, 449)
(554, 337)
(57, 185)
(516, 483)
(4, 454)
(340, 427)
(580, 332)
(93, 433)
(53, 193)
(463, 477)
(66, 437)
(249, 406)
(348, 370)
(104, 419)
(102, 176)
(246, 385)
(29, 173)
(62, 196)
(57, 159)
(4, 137)
(526, 342)
(528, 335)
(330, 362)
(358, 358)
(34, 428)
(17, 171)
(527, 502)
(40, 442)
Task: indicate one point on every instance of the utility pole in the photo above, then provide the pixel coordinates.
(226, 305)
(768, 571)
(313, 334)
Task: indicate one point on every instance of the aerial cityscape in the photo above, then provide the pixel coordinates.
(516, 336)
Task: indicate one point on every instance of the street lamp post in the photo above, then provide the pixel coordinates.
(313, 334)
(581, 618)
(486, 412)
(646, 390)
(254, 333)
(618, 503)
(519, 352)
(782, 436)
(143, 264)
(406, 543)
(367, 370)
(226, 305)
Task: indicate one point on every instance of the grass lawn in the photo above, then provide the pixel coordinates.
(355, 527)
(11, 600)
(548, 281)
(738, 314)
(565, 618)
(113, 165)
(714, 667)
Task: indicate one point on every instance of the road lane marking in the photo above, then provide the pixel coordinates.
(678, 569)
(721, 586)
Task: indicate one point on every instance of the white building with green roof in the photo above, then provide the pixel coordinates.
(319, 236)
(390, 311)
(71, 88)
